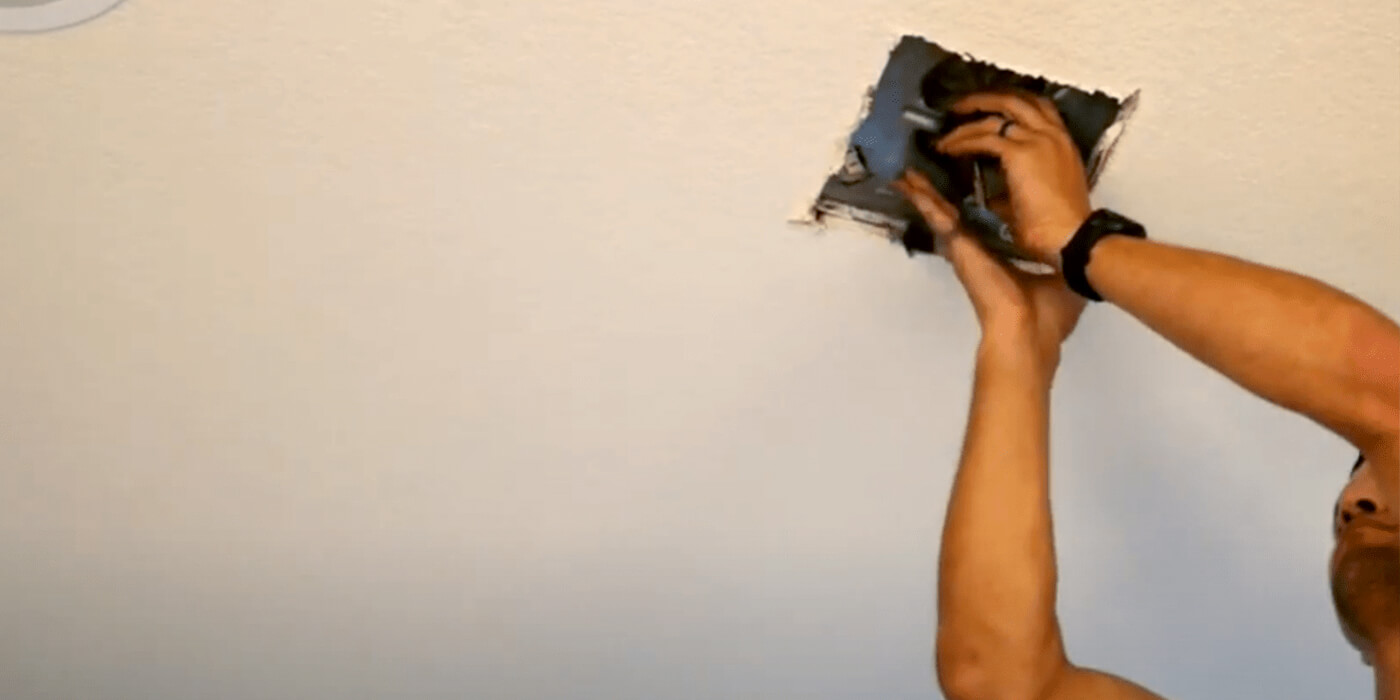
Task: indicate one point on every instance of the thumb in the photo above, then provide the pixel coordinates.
(964, 251)
(941, 216)
(989, 282)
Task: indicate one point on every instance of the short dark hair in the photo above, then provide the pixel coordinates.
(1359, 459)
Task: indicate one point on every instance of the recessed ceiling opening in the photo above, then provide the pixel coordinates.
(910, 106)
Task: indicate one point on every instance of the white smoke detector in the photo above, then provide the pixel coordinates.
(44, 15)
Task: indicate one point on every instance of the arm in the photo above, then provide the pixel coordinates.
(1289, 339)
(998, 635)
(996, 568)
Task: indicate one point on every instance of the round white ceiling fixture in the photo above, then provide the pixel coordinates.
(43, 15)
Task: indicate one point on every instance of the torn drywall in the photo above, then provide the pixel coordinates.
(904, 114)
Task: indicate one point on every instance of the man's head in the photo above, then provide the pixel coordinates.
(1365, 564)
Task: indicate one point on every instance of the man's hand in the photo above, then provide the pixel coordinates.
(1014, 308)
(1043, 167)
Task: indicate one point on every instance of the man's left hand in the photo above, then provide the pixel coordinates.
(1012, 306)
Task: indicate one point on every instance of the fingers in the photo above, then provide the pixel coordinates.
(1052, 113)
(970, 260)
(941, 216)
(921, 185)
(1022, 109)
(991, 125)
(979, 144)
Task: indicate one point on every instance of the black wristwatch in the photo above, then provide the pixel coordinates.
(1074, 257)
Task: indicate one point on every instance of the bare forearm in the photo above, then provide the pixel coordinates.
(1290, 339)
(996, 593)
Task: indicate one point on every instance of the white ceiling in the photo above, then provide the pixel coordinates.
(378, 349)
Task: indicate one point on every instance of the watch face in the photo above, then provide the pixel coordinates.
(1117, 223)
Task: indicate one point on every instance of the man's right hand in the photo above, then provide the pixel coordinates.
(1044, 171)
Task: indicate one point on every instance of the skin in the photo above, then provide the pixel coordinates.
(1289, 339)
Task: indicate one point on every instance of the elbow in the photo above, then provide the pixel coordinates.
(1380, 419)
(967, 671)
(1376, 353)
(962, 675)
(1378, 427)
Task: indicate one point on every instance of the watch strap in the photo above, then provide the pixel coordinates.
(1074, 257)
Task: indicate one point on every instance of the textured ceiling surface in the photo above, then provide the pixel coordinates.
(460, 350)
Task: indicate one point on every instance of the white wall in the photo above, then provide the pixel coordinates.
(459, 350)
